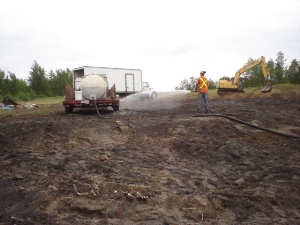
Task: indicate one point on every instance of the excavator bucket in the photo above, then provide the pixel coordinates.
(267, 87)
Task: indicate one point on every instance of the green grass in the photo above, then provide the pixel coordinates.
(47, 101)
(46, 106)
(278, 89)
(286, 88)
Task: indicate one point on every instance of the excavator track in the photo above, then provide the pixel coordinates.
(225, 92)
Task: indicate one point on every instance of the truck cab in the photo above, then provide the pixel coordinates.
(148, 92)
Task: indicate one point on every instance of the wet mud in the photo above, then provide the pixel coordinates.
(154, 162)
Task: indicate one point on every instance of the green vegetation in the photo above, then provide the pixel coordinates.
(46, 106)
(280, 90)
(46, 101)
(38, 85)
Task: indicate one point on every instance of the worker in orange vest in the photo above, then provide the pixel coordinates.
(202, 85)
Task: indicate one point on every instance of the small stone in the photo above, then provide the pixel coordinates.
(235, 154)
(104, 158)
(19, 176)
(53, 188)
(239, 181)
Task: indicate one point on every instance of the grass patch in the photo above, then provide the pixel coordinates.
(280, 89)
(45, 101)
(42, 110)
(46, 106)
(286, 88)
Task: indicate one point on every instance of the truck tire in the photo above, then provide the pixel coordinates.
(116, 107)
(69, 109)
(153, 95)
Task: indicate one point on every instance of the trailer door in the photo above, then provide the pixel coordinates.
(129, 82)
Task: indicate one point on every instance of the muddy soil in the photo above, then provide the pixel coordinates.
(154, 162)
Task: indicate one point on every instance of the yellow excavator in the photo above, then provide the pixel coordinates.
(237, 85)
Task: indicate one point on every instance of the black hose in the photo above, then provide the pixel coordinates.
(248, 124)
(98, 110)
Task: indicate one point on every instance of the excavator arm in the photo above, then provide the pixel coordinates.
(250, 65)
(268, 85)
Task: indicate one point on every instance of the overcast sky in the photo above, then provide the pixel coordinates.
(169, 40)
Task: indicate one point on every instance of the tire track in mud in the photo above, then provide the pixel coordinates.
(235, 154)
(174, 176)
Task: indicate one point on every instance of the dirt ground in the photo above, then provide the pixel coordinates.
(154, 162)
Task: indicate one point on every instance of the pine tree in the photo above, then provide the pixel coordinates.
(38, 81)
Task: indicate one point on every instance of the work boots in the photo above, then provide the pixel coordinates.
(199, 111)
(206, 110)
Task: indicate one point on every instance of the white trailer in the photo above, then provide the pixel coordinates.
(126, 81)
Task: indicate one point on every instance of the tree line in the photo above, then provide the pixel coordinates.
(280, 73)
(38, 85)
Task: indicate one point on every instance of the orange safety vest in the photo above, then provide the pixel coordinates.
(203, 84)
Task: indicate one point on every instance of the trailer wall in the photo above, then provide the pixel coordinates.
(127, 81)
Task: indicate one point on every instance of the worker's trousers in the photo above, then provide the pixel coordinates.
(204, 96)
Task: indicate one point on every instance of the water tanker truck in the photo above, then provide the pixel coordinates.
(127, 81)
(91, 87)
(90, 90)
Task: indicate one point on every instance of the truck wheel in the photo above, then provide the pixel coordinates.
(116, 107)
(69, 109)
(153, 95)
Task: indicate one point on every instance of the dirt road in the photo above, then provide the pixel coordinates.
(154, 162)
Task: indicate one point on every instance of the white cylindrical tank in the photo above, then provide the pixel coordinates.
(93, 87)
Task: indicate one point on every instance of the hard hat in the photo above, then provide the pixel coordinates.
(202, 72)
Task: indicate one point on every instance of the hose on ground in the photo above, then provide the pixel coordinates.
(98, 110)
(248, 124)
